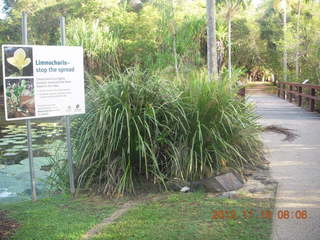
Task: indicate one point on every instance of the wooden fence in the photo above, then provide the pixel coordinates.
(298, 92)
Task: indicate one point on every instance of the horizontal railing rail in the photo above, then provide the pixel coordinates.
(298, 92)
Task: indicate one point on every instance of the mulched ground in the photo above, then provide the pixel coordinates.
(7, 226)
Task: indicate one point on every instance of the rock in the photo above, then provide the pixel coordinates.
(260, 178)
(256, 190)
(136, 4)
(269, 181)
(185, 189)
(223, 183)
(231, 195)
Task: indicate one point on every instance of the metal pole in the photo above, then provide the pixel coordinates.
(67, 118)
(28, 122)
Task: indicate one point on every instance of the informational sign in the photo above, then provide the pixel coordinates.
(42, 81)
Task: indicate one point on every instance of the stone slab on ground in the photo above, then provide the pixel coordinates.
(223, 183)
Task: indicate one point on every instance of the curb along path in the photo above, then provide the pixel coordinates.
(295, 165)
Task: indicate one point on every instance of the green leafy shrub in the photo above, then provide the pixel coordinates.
(139, 126)
(99, 43)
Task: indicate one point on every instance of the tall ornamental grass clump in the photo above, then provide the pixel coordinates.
(223, 129)
(131, 130)
(139, 127)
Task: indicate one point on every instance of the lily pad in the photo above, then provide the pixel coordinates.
(7, 136)
(10, 154)
(16, 138)
(18, 147)
(12, 150)
(5, 131)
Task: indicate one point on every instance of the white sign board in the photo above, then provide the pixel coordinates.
(42, 81)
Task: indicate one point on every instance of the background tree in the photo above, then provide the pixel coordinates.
(211, 40)
(158, 37)
(232, 6)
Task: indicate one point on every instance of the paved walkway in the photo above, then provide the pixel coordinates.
(295, 165)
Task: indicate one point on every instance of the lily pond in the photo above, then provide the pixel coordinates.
(47, 139)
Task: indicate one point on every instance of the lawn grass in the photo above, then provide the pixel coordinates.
(189, 217)
(57, 218)
(177, 216)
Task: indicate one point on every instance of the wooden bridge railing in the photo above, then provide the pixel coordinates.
(298, 92)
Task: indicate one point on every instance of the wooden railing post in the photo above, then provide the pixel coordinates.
(290, 94)
(312, 101)
(297, 92)
(285, 92)
(300, 97)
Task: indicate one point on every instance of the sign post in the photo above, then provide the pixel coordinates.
(28, 123)
(67, 118)
(43, 82)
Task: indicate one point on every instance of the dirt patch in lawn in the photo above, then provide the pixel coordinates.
(98, 228)
(7, 226)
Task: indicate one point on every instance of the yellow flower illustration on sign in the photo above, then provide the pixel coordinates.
(19, 59)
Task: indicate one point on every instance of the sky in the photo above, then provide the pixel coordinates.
(257, 2)
(1, 14)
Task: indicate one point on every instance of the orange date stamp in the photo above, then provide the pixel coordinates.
(282, 214)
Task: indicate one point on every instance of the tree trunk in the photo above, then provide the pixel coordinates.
(285, 53)
(229, 45)
(298, 37)
(211, 40)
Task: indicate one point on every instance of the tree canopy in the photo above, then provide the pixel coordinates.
(117, 34)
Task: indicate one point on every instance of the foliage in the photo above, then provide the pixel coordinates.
(306, 41)
(153, 129)
(143, 33)
(98, 41)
